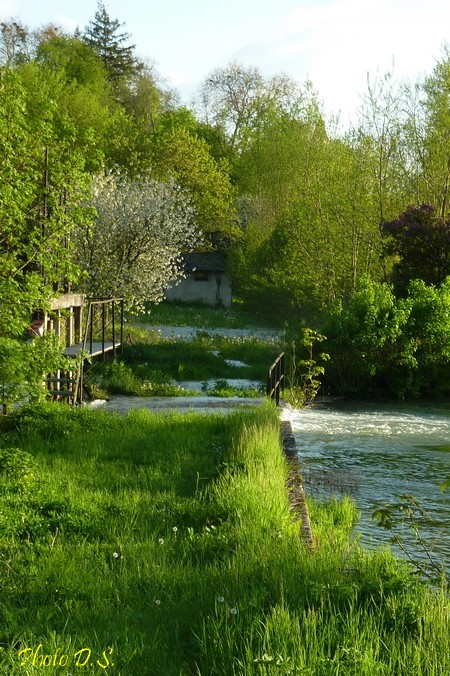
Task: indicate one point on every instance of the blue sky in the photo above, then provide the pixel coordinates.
(333, 43)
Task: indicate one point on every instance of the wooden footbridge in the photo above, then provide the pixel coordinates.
(90, 329)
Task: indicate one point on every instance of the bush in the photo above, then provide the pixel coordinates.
(380, 344)
(23, 366)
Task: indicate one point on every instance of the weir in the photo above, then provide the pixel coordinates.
(297, 497)
(375, 453)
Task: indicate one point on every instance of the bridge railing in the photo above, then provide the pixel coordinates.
(276, 378)
(104, 329)
(103, 333)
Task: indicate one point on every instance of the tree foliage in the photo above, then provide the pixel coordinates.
(435, 137)
(133, 248)
(42, 184)
(184, 157)
(236, 99)
(379, 343)
(102, 34)
(22, 364)
(420, 242)
(312, 220)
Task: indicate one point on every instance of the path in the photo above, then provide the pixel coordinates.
(190, 332)
(203, 404)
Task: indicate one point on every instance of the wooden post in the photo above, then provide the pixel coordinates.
(121, 324)
(113, 318)
(70, 328)
(103, 314)
(79, 324)
(57, 323)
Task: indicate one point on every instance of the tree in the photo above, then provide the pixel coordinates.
(186, 158)
(143, 100)
(381, 132)
(19, 44)
(13, 42)
(276, 160)
(133, 248)
(312, 212)
(42, 183)
(76, 77)
(364, 341)
(419, 240)
(79, 63)
(22, 364)
(102, 34)
(436, 137)
(236, 98)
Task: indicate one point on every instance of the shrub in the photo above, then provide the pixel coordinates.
(396, 346)
(23, 366)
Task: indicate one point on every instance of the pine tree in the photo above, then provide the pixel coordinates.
(102, 34)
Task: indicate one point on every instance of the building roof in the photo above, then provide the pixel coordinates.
(208, 261)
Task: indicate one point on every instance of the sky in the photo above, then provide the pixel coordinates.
(335, 44)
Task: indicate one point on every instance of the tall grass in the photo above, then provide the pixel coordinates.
(164, 545)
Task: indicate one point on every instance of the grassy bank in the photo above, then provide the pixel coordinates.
(164, 545)
(152, 365)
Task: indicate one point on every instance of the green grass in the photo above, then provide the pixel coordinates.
(150, 364)
(204, 316)
(164, 545)
(201, 359)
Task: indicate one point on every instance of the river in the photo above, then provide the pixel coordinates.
(375, 453)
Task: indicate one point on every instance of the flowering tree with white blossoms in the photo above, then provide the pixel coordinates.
(133, 247)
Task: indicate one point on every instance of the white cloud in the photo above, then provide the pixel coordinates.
(337, 43)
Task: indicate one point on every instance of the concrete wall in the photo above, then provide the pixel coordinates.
(215, 290)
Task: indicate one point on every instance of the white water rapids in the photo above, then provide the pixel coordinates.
(376, 453)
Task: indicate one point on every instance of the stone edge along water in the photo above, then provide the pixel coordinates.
(294, 484)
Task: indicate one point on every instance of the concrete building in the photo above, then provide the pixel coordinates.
(206, 280)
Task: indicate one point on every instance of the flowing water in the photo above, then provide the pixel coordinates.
(376, 453)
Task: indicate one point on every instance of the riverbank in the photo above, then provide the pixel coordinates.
(164, 544)
(391, 458)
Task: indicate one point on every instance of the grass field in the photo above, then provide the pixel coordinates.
(182, 314)
(163, 545)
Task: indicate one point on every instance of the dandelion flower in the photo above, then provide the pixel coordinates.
(220, 599)
(233, 611)
(116, 556)
(161, 541)
(158, 602)
(174, 529)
